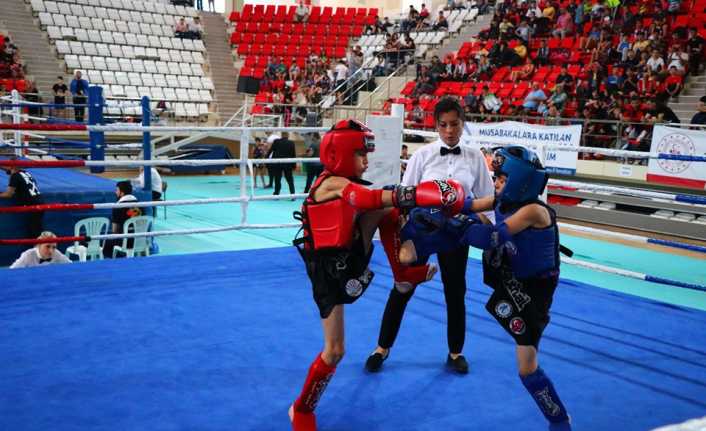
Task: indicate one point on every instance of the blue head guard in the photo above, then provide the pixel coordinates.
(526, 177)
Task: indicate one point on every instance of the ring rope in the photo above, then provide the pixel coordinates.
(633, 274)
(689, 199)
(637, 238)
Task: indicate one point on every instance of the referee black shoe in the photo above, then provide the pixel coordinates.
(459, 365)
(374, 362)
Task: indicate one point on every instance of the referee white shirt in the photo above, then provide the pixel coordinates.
(468, 168)
(31, 258)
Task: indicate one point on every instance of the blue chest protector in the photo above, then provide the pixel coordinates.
(536, 251)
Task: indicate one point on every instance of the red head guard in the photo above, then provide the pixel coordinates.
(339, 145)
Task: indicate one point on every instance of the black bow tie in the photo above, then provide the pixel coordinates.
(455, 151)
(44, 260)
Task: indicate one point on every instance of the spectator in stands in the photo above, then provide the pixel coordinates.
(700, 116)
(542, 54)
(441, 24)
(312, 141)
(659, 112)
(523, 73)
(404, 155)
(379, 66)
(505, 28)
(22, 187)
(410, 22)
(384, 26)
(181, 29)
(564, 24)
(557, 100)
(341, 72)
(422, 18)
(195, 29)
(139, 182)
(259, 152)
(534, 98)
(673, 84)
(695, 44)
(655, 62)
(355, 59)
(283, 148)
(42, 254)
(32, 95)
(123, 191)
(565, 78)
(630, 83)
(59, 89)
(79, 92)
(523, 31)
(211, 5)
(489, 102)
(199, 4)
(301, 14)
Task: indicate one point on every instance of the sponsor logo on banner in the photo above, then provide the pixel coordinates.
(517, 326)
(503, 309)
(675, 143)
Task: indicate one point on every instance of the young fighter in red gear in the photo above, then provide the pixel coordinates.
(339, 218)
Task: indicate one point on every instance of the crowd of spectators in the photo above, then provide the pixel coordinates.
(188, 30)
(10, 65)
(629, 61)
(291, 89)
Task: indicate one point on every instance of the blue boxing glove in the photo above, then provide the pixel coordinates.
(426, 229)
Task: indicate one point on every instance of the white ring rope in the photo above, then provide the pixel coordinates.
(662, 196)
(194, 231)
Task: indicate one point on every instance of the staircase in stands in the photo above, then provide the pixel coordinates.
(35, 52)
(220, 59)
(689, 98)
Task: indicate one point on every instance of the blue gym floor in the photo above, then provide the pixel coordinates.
(217, 333)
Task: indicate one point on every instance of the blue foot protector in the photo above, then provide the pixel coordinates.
(542, 390)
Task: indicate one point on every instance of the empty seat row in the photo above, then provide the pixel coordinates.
(105, 8)
(156, 93)
(126, 51)
(125, 38)
(149, 79)
(190, 110)
(132, 65)
(46, 19)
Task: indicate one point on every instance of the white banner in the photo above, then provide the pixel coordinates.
(675, 140)
(384, 162)
(531, 136)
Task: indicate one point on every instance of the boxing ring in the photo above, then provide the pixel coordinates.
(222, 340)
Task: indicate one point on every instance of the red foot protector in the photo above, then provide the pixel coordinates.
(320, 373)
(303, 421)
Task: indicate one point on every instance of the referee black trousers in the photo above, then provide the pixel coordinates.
(453, 275)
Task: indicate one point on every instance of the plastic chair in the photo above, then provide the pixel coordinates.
(89, 227)
(135, 246)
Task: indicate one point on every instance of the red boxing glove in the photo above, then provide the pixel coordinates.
(447, 194)
(363, 198)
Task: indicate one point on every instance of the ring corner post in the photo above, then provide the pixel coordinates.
(242, 168)
(147, 143)
(95, 117)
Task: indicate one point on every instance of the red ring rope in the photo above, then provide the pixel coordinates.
(34, 241)
(45, 207)
(46, 127)
(43, 163)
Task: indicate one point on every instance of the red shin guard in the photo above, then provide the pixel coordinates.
(319, 375)
(407, 277)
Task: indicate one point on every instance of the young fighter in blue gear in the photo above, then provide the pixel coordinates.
(520, 261)
(339, 218)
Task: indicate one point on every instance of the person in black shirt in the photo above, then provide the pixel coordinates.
(313, 170)
(59, 90)
(283, 148)
(23, 188)
(700, 117)
(695, 44)
(663, 113)
(123, 191)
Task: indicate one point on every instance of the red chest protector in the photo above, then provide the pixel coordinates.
(329, 224)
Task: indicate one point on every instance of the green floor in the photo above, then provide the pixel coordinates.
(199, 216)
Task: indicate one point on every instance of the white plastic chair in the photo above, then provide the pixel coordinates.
(140, 245)
(90, 227)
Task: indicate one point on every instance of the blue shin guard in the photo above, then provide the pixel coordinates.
(544, 394)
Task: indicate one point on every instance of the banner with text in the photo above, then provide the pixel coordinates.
(529, 135)
(675, 140)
